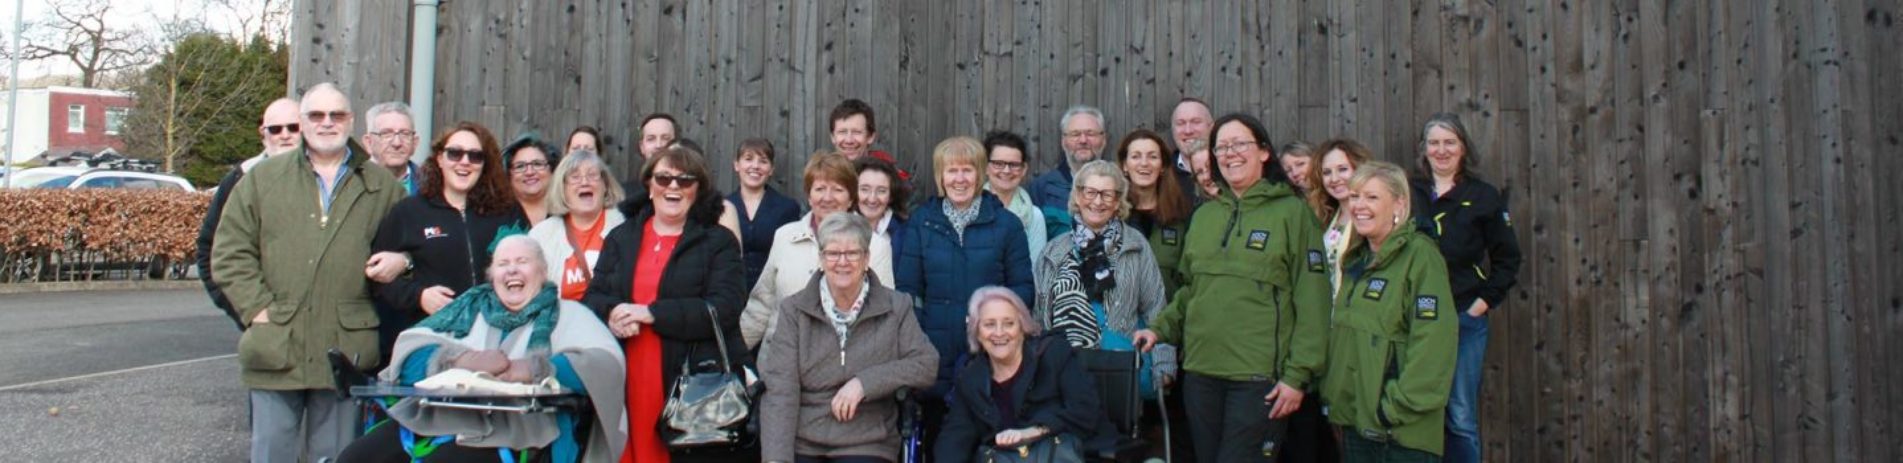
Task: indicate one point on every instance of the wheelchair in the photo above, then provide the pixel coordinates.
(376, 398)
(1118, 375)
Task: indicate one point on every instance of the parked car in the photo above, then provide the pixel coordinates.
(82, 177)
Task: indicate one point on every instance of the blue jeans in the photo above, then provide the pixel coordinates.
(1463, 407)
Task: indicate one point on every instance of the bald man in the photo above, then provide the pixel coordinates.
(277, 128)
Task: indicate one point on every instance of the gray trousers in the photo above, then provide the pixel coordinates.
(310, 425)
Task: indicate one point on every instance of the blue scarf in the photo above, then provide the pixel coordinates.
(459, 316)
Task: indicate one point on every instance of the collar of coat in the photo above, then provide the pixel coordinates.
(934, 214)
(1403, 236)
(1058, 248)
(1263, 192)
(878, 298)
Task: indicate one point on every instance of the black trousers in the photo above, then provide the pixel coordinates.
(385, 445)
(1310, 438)
(1227, 419)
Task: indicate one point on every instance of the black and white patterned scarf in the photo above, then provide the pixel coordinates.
(960, 219)
(1086, 275)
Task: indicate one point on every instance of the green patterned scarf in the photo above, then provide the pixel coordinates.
(456, 318)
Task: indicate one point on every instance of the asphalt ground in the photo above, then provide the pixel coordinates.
(129, 376)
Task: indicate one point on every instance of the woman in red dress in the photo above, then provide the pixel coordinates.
(657, 275)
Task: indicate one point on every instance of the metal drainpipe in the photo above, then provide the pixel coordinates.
(423, 75)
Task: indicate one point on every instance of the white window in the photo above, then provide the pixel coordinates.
(76, 118)
(115, 120)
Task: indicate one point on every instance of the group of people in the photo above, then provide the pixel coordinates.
(1298, 303)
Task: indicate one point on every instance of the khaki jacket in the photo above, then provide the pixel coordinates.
(276, 249)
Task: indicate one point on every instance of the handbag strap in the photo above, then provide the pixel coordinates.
(720, 340)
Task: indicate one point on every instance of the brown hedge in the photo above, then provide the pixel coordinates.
(117, 224)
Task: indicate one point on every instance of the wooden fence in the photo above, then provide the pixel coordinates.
(1700, 185)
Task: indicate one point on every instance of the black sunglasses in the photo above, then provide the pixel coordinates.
(281, 128)
(680, 181)
(460, 155)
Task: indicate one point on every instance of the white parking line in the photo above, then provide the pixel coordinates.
(114, 372)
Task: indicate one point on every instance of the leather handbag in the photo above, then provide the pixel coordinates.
(1062, 448)
(708, 408)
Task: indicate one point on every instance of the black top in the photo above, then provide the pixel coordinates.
(703, 271)
(447, 248)
(1051, 389)
(208, 228)
(756, 231)
(1475, 232)
(1007, 407)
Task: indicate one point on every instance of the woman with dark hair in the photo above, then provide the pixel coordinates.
(1469, 218)
(1006, 166)
(584, 138)
(759, 208)
(1329, 198)
(530, 160)
(1298, 160)
(667, 279)
(1255, 299)
(449, 229)
(1158, 207)
(883, 199)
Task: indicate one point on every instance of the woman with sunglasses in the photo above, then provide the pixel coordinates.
(666, 279)
(449, 229)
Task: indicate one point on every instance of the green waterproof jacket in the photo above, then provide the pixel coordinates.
(277, 249)
(1391, 350)
(1254, 300)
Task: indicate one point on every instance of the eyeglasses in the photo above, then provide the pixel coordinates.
(525, 166)
(1008, 166)
(463, 155)
(583, 177)
(843, 256)
(1091, 195)
(335, 116)
(395, 135)
(679, 181)
(280, 129)
(1083, 134)
(1232, 148)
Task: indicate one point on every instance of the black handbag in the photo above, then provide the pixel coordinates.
(708, 409)
(1062, 448)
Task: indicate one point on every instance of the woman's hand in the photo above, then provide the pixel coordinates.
(435, 297)
(1283, 401)
(846, 401)
(1143, 340)
(626, 319)
(484, 361)
(1479, 309)
(519, 371)
(384, 267)
(1013, 437)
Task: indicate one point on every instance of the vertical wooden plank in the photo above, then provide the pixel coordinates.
(1829, 148)
(1317, 29)
(1868, 34)
(1546, 270)
(1518, 380)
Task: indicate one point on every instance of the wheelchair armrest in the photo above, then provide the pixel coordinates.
(345, 373)
(908, 411)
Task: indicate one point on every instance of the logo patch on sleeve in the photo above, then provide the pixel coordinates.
(1507, 217)
(1316, 263)
(1426, 308)
(1170, 237)
(1376, 287)
(1259, 240)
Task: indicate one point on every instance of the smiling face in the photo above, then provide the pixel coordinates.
(1239, 155)
(844, 263)
(851, 137)
(1336, 170)
(282, 117)
(875, 195)
(1144, 163)
(392, 138)
(1375, 210)
(655, 135)
(529, 172)
(326, 120)
(1000, 330)
(460, 175)
(1444, 151)
(959, 183)
(1096, 201)
(827, 197)
(1190, 122)
(583, 141)
(1005, 168)
(753, 168)
(1199, 164)
(1083, 138)
(582, 190)
(517, 273)
(673, 195)
(1296, 167)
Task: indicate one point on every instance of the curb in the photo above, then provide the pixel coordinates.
(70, 286)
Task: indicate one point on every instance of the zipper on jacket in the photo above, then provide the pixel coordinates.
(1235, 213)
(469, 248)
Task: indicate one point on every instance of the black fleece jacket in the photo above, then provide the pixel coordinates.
(1475, 232)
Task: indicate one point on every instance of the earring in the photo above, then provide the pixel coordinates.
(1397, 219)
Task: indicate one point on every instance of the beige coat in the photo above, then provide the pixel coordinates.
(794, 260)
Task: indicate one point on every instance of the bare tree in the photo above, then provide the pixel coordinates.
(77, 31)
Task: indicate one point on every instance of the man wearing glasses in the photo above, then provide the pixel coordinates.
(278, 131)
(391, 134)
(292, 252)
(1084, 140)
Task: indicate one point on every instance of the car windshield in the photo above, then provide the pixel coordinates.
(51, 182)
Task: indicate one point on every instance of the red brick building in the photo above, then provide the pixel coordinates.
(58, 121)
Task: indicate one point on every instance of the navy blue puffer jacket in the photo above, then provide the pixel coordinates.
(935, 268)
